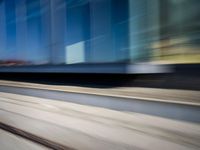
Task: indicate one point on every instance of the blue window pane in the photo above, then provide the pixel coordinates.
(99, 31)
(10, 29)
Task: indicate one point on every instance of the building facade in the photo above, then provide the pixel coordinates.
(99, 31)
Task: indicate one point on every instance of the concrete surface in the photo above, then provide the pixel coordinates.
(190, 97)
(92, 128)
(163, 108)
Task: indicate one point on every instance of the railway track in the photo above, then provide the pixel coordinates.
(45, 143)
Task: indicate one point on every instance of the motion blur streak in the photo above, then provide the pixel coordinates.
(104, 74)
(98, 31)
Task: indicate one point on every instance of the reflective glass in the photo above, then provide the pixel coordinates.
(99, 31)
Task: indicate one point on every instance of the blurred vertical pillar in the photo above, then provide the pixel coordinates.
(58, 31)
(135, 27)
(33, 11)
(141, 27)
(10, 13)
(154, 25)
(101, 31)
(78, 32)
(165, 28)
(2, 30)
(120, 29)
(45, 6)
(21, 30)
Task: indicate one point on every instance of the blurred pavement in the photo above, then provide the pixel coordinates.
(88, 128)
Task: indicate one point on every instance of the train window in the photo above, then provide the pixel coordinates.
(99, 31)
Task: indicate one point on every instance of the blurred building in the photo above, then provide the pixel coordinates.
(99, 31)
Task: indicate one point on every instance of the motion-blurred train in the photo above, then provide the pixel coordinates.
(98, 36)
